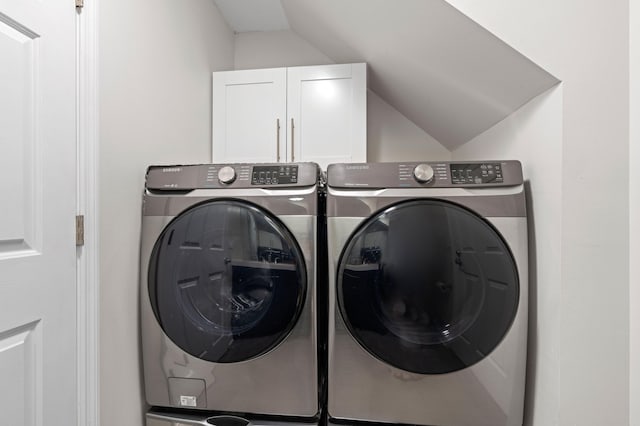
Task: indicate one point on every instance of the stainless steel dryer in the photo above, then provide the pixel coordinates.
(228, 288)
(428, 293)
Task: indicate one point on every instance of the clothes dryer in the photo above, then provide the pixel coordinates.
(228, 288)
(428, 293)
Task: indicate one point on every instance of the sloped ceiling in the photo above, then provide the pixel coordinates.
(440, 69)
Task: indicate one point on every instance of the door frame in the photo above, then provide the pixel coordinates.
(634, 211)
(87, 265)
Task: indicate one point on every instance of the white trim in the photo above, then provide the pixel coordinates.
(634, 213)
(88, 295)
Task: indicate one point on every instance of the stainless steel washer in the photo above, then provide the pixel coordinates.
(228, 288)
(428, 297)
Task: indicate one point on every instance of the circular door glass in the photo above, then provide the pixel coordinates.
(427, 286)
(227, 281)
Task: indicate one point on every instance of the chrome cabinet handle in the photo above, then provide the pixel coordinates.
(293, 157)
(278, 139)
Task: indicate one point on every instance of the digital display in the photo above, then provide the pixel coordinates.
(274, 175)
(477, 173)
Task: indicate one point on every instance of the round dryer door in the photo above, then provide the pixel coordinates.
(427, 286)
(227, 281)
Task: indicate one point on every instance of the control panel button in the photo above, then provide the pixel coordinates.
(423, 173)
(227, 175)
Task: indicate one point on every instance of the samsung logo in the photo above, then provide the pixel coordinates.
(171, 169)
(358, 167)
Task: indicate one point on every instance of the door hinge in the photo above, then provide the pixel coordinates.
(79, 4)
(79, 230)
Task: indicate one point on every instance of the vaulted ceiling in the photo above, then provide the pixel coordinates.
(443, 71)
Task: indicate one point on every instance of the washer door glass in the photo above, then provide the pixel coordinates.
(227, 281)
(427, 286)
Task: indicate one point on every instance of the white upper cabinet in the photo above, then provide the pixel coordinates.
(315, 113)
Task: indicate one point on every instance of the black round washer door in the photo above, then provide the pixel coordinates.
(227, 281)
(427, 286)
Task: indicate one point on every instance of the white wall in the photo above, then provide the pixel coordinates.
(156, 59)
(393, 137)
(275, 49)
(390, 135)
(533, 135)
(585, 44)
(634, 213)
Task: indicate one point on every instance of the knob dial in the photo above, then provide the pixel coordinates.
(423, 173)
(226, 174)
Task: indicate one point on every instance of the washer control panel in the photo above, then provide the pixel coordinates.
(476, 173)
(205, 176)
(274, 175)
(469, 174)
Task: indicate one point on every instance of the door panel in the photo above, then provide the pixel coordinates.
(38, 196)
(18, 183)
(21, 372)
(325, 115)
(243, 119)
(326, 107)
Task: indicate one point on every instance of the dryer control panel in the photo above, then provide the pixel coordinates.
(469, 174)
(205, 176)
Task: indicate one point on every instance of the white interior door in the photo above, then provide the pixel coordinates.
(37, 210)
(249, 109)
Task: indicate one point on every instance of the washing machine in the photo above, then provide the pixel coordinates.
(228, 288)
(428, 293)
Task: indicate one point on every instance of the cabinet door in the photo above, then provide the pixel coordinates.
(249, 113)
(327, 113)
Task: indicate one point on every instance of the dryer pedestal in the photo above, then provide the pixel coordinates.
(158, 418)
